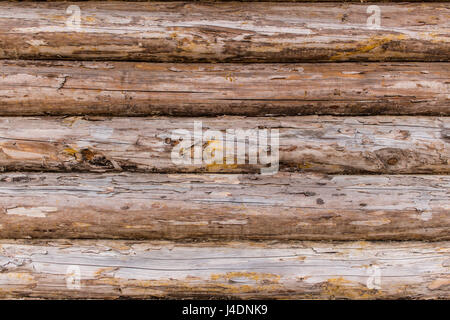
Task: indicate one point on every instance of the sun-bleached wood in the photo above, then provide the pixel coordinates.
(379, 144)
(130, 89)
(185, 206)
(299, 270)
(224, 32)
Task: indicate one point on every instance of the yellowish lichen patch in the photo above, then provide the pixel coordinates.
(18, 278)
(89, 19)
(343, 288)
(230, 77)
(368, 46)
(70, 151)
(255, 276)
(81, 225)
(220, 167)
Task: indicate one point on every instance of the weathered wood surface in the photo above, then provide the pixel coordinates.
(128, 88)
(184, 206)
(226, 32)
(117, 269)
(379, 144)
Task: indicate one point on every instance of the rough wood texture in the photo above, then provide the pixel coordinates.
(285, 206)
(227, 32)
(117, 269)
(380, 144)
(121, 88)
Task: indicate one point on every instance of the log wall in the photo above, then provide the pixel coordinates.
(93, 204)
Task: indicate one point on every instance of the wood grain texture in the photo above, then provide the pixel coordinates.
(130, 89)
(379, 144)
(225, 32)
(193, 207)
(117, 269)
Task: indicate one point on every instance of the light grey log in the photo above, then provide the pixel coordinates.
(185, 206)
(129, 89)
(226, 32)
(117, 269)
(380, 144)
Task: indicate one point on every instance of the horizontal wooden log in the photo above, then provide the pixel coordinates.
(122, 88)
(380, 144)
(225, 32)
(174, 207)
(117, 269)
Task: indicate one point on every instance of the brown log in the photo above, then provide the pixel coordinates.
(299, 270)
(130, 89)
(224, 32)
(282, 207)
(379, 144)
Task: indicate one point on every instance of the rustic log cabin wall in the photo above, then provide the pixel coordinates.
(119, 149)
